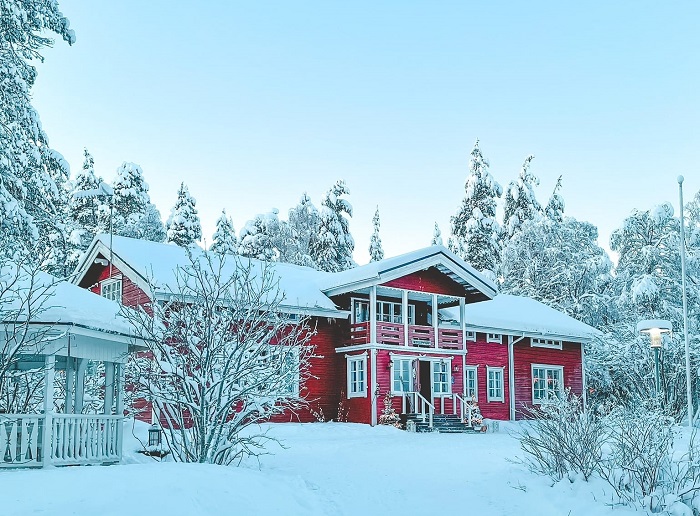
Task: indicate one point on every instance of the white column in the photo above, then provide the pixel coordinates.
(404, 312)
(80, 385)
(373, 384)
(463, 322)
(70, 385)
(435, 318)
(109, 388)
(373, 314)
(49, 373)
(120, 406)
(511, 379)
(583, 379)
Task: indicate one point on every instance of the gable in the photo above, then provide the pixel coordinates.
(428, 280)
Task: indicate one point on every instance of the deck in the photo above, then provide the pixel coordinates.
(417, 336)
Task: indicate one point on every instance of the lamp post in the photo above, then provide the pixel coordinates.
(655, 328)
(689, 390)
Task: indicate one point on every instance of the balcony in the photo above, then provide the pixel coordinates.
(418, 336)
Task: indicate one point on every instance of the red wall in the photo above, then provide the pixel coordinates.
(490, 354)
(429, 280)
(525, 355)
(132, 294)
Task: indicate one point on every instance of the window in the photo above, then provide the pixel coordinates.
(545, 343)
(387, 311)
(290, 373)
(471, 336)
(357, 377)
(547, 382)
(441, 378)
(493, 337)
(361, 311)
(495, 383)
(472, 387)
(401, 375)
(112, 289)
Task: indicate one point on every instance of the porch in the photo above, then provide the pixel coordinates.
(447, 414)
(411, 335)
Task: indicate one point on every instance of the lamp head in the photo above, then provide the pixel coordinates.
(655, 328)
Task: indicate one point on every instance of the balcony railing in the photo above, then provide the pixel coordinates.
(418, 336)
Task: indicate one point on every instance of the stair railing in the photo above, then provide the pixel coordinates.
(465, 408)
(418, 403)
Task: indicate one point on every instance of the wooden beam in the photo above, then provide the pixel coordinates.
(109, 388)
(70, 385)
(373, 315)
(80, 385)
(404, 312)
(435, 318)
(49, 375)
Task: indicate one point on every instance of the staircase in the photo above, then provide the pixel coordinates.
(443, 423)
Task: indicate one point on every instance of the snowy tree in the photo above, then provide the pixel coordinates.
(376, 252)
(520, 201)
(183, 227)
(224, 240)
(475, 230)
(129, 201)
(225, 357)
(266, 237)
(555, 206)
(437, 236)
(304, 224)
(332, 250)
(33, 176)
(147, 226)
(84, 210)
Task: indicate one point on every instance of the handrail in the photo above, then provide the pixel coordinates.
(417, 397)
(466, 408)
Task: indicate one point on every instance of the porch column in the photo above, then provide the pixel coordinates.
(120, 406)
(463, 322)
(80, 385)
(435, 319)
(404, 311)
(49, 375)
(373, 314)
(70, 385)
(109, 388)
(374, 384)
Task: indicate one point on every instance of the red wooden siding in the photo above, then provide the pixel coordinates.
(483, 354)
(524, 356)
(358, 410)
(132, 294)
(429, 280)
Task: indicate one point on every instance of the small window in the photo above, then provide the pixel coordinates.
(547, 383)
(357, 376)
(290, 373)
(401, 375)
(441, 378)
(494, 337)
(472, 386)
(111, 289)
(495, 383)
(546, 343)
(471, 336)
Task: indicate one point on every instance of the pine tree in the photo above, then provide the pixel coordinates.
(304, 224)
(555, 206)
(376, 252)
(84, 210)
(224, 240)
(33, 177)
(183, 227)
(148, 226)
(475, 230)
(437, 236)
(264, 237)
(520, 201)
(332, 250)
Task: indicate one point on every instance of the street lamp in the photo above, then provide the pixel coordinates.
(655, 328)
(689, 391)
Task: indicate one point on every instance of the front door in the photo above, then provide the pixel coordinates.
(425, 379)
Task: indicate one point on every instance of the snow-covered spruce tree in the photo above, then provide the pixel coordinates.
(332, 250)
(225, 357)
(437, 236)
(84, 211)
(376, 252)
(561, 265)
(148, 226)
(555, 207)
(224, 239)
(266, 237)
(475, 231)
(33, 176)
(520, 201)
(183, 227)
(304, 224)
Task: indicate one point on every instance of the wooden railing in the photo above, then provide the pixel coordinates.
(75, 439)
(418, 336)
(417, 404)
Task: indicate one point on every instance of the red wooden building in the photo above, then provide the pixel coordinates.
(425, 327)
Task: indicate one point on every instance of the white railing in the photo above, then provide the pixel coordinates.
(20, 440)
(465, 408)
(85, 439)
(418, 405)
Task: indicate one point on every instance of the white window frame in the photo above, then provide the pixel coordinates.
(471, 336)
(467, 390)
(494, 337)
(356, 359)
(109, 284)
(545, 343)
(396, 368)
(381, 305)
(437, 369)
(293, 389)
(498, 372)
(559, 391)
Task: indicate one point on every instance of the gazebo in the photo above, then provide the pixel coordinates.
(56, 326)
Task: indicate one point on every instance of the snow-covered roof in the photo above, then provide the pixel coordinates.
(58, 302)
(518, 315)
(390, 268)
(157, 264)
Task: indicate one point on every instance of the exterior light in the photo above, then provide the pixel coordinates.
(155, 434)
(655, 328)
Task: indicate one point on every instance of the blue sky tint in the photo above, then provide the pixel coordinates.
(253, 103)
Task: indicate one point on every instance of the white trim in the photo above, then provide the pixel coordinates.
(470, 336)
(500, 398)
(496, 338)
(375, 386)
(584, 389)
(538, 342)
(511, 377)
(546, 367)
(448, 380)
(475, 369)
(362, 359)
(108, 284)
(403, 349)
(395, 361)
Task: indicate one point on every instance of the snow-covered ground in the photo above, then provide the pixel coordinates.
(326, 468)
